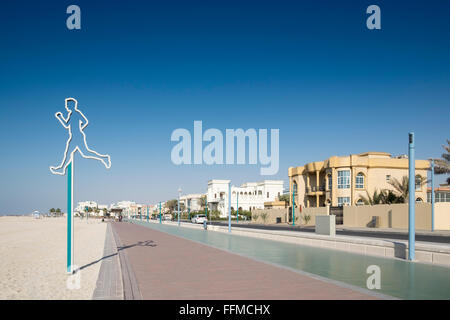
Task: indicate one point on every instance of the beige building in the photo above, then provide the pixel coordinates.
(340, 181)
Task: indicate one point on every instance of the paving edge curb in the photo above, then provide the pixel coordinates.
(129, 283)
(109, 282)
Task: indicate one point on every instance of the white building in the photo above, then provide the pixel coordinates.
(103, 209)
(192, 202)
(248, 196)
(82, 206)
(127, 207)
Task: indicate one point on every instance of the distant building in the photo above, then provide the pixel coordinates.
(192, 202)
(248, 196)
(84, 206)
(122, 207)
(441, 194)
(339, 181)
(275, 204)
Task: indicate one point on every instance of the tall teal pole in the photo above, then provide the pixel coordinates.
(432, 195)
(412, 198)
(229, 206)
(293, 204)
(179, 192)
(147, 213)
(237, 207)
(160, 212)
(70, 220)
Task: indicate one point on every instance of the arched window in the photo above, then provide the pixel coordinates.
(419, 182)
(360, 202)
(419, 200)
(359, 181)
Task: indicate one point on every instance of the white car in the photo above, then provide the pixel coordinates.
(199, 218)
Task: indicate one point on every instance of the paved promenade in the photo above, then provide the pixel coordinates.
(169, 267)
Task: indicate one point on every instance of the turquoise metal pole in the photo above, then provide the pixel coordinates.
(293, 204)
(178, 209)
(412, 198)
(229, 207)
(147, 213)
(160, 212)
(432, 195)
(237, 207)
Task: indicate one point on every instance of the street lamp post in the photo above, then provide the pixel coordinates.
(432, 195)
(159, 212)
(237, 207)
(179, 195)
(293, 204)
(229, 206)
(411, 200)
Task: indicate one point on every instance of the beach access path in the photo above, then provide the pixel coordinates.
(170, 267)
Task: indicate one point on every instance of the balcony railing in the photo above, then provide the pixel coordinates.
(315, 189)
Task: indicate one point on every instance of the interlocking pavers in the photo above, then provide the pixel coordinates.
(170, 267)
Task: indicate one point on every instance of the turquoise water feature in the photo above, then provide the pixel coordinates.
(399, 278)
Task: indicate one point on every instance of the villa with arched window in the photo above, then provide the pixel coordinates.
(248, 196)
(340, 181)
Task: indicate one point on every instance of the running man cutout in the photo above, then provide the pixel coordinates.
(77, 138)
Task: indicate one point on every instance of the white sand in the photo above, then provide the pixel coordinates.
(33, 257)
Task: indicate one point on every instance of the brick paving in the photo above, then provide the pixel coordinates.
(109, 282)
(169, 267)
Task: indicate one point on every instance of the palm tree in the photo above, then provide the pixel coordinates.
(381, 197)
(172, 205)
(443, 165)
(376, 198)
(402, 187)
(203, 201)
(264, 217)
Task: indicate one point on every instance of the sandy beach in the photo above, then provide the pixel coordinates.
(33, 257)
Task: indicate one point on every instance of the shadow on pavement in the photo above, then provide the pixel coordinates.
(147, 243)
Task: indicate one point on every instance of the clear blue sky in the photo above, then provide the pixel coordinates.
(141, 69)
